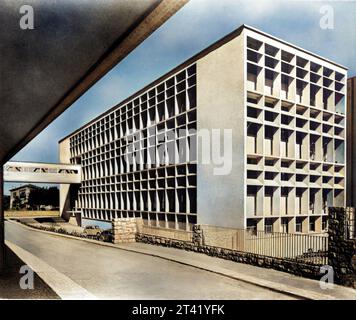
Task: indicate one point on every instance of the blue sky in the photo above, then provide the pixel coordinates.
(194, 27)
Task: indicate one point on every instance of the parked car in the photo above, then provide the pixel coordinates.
(107, 236)
(92, 232)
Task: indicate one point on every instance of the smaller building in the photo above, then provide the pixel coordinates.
(19, 196)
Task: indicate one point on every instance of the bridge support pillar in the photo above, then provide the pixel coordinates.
(2, 223)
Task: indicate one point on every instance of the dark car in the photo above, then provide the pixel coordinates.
(107, 236)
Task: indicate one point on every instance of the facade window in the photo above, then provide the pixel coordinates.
(268, 225)
(252, 226)
(284, 225)
(299, 225)
(312, 224)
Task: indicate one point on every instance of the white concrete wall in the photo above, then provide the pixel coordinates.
(220, 100)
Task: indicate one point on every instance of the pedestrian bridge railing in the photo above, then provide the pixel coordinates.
(33, 172)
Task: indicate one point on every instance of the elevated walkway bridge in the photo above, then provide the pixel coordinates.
(33, 172)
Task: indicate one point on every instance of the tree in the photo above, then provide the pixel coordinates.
(53, 196)
(44, 196)
(16, 203)
(34, 198)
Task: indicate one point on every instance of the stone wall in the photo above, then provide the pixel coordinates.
(342, 251)
(125, 229)
(166, 233)
(221, 237)
(290, 266)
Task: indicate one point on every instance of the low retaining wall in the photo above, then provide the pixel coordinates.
(125, 229)
(166, 233)
(342, 251)
(290, 266)
(221, 237)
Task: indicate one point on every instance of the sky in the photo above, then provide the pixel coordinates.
(197, 25)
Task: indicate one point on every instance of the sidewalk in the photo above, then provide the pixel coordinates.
(268, 278)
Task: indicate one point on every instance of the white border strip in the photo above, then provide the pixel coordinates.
(65, 287)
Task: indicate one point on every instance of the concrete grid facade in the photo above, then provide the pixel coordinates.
(119, 155)
(295, 137)
(286, 109)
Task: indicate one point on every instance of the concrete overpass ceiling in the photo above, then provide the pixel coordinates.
(73, 44)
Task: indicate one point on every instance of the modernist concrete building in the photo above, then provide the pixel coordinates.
(286, 109)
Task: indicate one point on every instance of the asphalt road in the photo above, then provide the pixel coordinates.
(109, 273)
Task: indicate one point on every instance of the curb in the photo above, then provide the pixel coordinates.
(266, 284)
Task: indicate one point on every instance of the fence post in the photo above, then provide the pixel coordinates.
(198, 238)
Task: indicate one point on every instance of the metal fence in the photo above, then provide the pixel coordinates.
(299, 247)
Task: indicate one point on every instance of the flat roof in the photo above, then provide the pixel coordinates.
(25, 186)
(190, 61)
(294, 46)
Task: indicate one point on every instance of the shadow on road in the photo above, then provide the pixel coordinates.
(10, 278)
